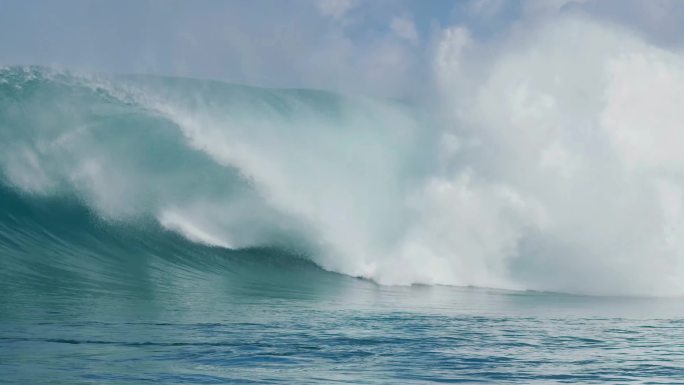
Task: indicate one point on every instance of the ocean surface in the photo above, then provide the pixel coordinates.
(132, 251)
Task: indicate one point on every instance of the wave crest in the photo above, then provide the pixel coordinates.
(535, 171)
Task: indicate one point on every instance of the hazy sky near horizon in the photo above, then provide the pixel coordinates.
(380, 47)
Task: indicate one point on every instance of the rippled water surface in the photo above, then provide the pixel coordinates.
(201, 329)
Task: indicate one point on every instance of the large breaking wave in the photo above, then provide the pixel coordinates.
(531, 169)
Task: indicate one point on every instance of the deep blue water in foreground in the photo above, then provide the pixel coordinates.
(199, 330)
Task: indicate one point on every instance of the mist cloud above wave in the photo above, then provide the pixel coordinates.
(580, 122)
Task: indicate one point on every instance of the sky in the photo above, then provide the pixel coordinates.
(377, 47)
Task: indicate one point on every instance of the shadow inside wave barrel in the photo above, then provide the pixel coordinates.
(55, 253)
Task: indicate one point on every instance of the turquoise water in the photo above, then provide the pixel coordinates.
(132, 252)
(380, 339)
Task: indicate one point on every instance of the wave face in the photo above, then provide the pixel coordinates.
(532, 171)
(307, 173)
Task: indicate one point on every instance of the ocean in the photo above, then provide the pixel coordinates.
(143, 242)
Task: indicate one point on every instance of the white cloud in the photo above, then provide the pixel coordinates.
(485, 8)
(405, 28)
(335, 8)
(547, 7)
(449, 55)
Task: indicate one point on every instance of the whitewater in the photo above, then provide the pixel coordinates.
(528, 171)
